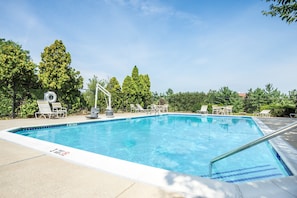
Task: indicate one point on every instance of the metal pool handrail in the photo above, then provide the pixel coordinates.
(251, 144)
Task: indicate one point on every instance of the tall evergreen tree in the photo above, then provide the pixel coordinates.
(145, 87)
(136, 89)
(135, 79)
(56, 74)
(129, 92)
(115, 90)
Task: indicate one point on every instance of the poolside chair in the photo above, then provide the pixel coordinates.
(216, 109)
(264, 113)
(152, 109)
(133, 108)
(61, 111)
(45, 110)
(228, 109)
(140, 109)
(293, 115)
(165, 108)
(203, 109)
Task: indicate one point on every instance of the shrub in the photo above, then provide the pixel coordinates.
(28, 108)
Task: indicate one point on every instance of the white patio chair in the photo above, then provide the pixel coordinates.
(203, 109)
(61, 111)
(45, 110)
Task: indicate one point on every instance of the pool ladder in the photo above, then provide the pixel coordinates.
(251, 144)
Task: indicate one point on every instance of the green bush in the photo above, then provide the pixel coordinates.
(5, 106)
(28, 108)
(280, 110)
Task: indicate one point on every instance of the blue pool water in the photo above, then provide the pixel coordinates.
(179, 143)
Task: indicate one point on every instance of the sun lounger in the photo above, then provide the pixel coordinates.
(140, 108)
(61, 111)
(228, 109)
(133, 108)
(203, 109)
(216, 109)
(45, 110)
(264, 113)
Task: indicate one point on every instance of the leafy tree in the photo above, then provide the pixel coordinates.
(254, 100)
(145, 90)
(169, 92)
(136, 89)
(115, 90)
(17, 72)
(293, 97)
(211, 97)
(56, 75)
(272, 94)
(225, 97)
(89, 95)
(188, 101)
(285, 9)
(129, 92)
(5, 105)
(136, 80)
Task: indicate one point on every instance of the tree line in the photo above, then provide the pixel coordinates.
(253, 101)
(23, 82)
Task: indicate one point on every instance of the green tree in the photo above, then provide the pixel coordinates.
(17, 72)
(254, 100)
(115, 90)
(293, 98)
(169, 92)
(89, 95)
(129, 92)
(55, 74)
(225, 96)
(285, 9)
(272, 94)
(188, 101)
(136, 89)
(136, 80)
(145, 90)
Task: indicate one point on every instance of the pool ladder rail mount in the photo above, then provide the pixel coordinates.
(251, 144)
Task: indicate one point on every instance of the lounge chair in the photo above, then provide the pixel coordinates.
(61, 111)
(152, 109)
(45, 110)
(264, 113)
(133, 108)
(216, 109)
(203, 109)
(140, 108)
(228, 109)
(293, 115)
(165, 108)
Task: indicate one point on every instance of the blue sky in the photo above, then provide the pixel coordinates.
(185, 45)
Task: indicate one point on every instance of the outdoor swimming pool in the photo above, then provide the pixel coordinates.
(179, 143)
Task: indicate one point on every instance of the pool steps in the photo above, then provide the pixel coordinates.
(248, 174)
(251, 144)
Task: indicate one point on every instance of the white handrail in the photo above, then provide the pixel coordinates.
(252, 143)
(98, 86)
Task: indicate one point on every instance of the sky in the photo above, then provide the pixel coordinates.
(184, 45)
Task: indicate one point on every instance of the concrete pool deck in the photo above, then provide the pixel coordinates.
(27, 172)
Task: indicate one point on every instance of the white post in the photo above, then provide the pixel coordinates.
(109, 111)
(96, 97)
